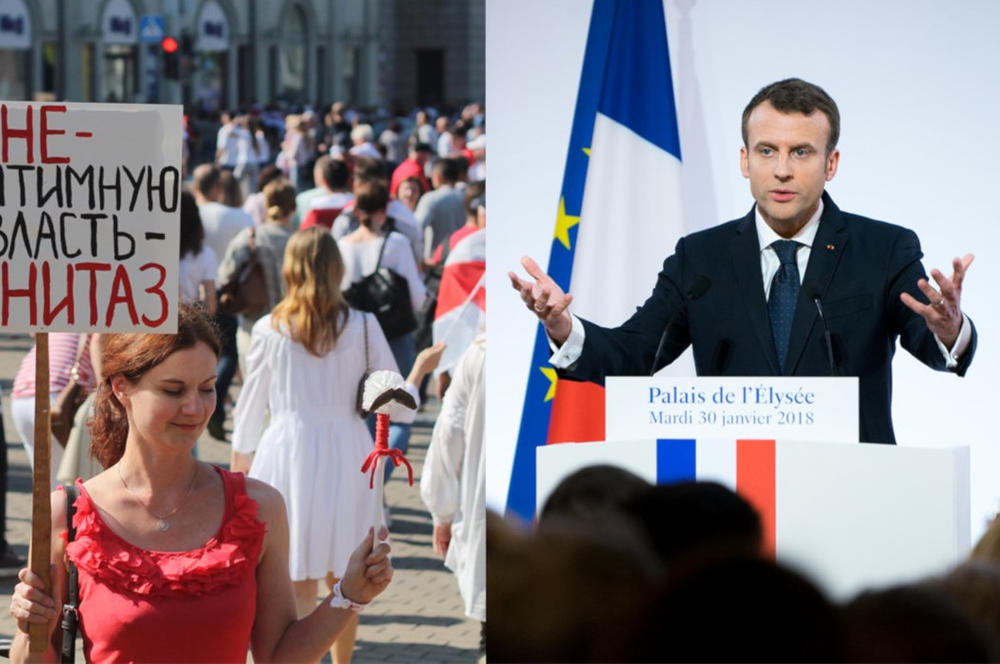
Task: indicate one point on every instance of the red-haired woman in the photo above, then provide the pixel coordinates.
(179, 560)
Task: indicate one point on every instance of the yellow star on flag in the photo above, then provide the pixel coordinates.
(564, 222)
(586, 151)
(550, 373)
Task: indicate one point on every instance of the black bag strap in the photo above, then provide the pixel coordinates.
(368, 357)
(70, 616)
(381, 251)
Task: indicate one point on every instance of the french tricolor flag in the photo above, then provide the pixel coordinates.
(620, 213)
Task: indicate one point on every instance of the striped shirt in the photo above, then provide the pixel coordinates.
(63, 348)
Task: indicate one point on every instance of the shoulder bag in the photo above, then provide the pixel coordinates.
(245, 292)
(386, 294)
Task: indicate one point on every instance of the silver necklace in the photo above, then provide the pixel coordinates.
(161, 521)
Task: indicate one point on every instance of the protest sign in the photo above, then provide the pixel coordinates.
(89, 222)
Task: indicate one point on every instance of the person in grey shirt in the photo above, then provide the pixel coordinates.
(441, 211)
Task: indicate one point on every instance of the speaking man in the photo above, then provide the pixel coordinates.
(755, 296)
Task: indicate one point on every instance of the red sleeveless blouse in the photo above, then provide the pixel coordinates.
(177, 606)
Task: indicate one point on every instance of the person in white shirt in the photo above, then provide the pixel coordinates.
(425, 130)
(196, 276)
(444, 142)
(221, 224)
(362, 137)
(226, 142)
(453, 483)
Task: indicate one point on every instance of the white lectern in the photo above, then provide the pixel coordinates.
(851, 515)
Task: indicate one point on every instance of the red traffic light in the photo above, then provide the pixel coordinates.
(169, 45)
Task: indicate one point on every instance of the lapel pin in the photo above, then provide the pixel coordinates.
(830, 247)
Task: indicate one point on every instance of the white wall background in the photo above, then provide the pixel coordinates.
(919, 97)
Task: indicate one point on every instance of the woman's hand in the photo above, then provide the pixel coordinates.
(427, 360)
(442, 539)
(30, 603)
(369, 569)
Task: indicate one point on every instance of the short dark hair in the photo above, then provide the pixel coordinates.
(336, 175)
(475, 197)
(447, 169)
(205, 178)
(793, 95)
(267, 174)
(592, 490)
(366, 168)
(685, 517)
(370, 196)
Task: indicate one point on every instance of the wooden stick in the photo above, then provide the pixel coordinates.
(41, 512)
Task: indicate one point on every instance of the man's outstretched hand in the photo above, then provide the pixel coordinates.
(545, 299)
(944, 313)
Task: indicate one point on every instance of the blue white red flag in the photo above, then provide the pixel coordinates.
(619, 215)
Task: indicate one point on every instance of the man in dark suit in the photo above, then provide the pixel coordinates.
(747, 294)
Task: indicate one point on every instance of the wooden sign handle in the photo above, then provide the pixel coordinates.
(41, 511)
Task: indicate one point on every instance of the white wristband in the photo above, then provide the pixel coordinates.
(338, 601)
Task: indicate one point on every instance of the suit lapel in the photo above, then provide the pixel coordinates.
(745, 254)
(827, 248)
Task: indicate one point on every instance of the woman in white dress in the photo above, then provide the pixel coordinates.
(304, 366)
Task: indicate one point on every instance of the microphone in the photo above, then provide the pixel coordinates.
(699, 287)
(813, 292)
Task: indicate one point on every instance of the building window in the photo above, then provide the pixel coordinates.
(88, 72)
(244, 75)
(292, 57)
(430, 77)
(14, 70)
(120, 73)
(50, 69)
(352, 74)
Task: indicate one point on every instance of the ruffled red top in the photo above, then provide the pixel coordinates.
(138, 605)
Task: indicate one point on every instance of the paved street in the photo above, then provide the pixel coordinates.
(420, 617)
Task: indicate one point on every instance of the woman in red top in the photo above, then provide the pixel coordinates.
(177, 560)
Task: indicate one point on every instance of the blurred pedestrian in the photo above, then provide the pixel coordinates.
(453, 483)
(69, 359)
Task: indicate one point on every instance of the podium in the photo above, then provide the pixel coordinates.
(850, 515)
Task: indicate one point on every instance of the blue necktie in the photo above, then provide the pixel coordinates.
(784, 295)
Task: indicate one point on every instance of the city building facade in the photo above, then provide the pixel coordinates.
(392, 54)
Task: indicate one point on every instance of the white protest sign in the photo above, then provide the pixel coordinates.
(804, 408)
(89, 217)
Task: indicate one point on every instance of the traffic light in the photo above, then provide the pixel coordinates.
(171, 58)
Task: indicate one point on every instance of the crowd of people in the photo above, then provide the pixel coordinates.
(279, 234)
(619, 570)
